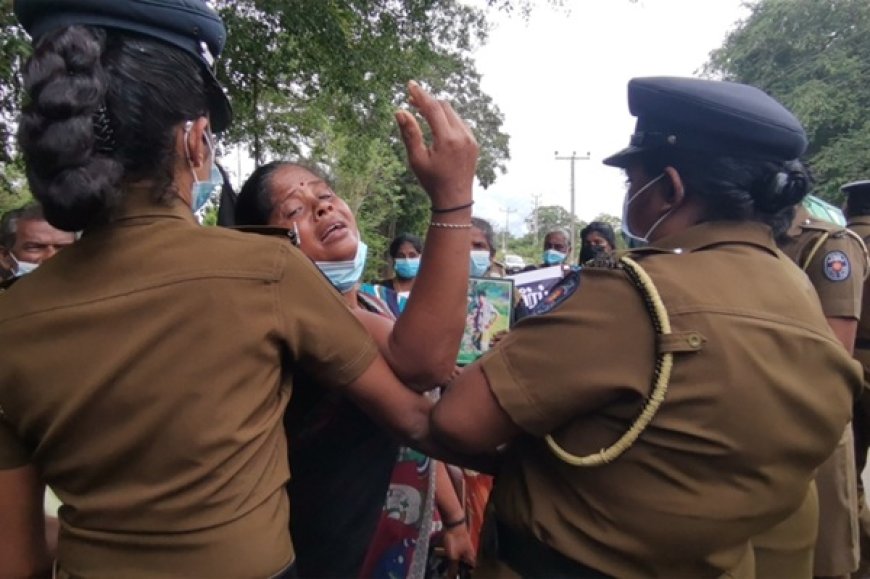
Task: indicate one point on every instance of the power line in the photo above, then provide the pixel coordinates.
(537, 199)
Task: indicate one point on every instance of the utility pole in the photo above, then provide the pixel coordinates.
(573, 158)
(507, 214)
(537, 198)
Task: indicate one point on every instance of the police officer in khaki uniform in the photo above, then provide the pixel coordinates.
(857, 210)
(666, 406)
(146, 369)
(835, 260)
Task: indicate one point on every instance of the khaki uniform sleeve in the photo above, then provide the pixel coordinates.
(13, 452)
(321, 333)
(595, 346)
(837, 271)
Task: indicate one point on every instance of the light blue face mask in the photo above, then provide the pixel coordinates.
(479, 262)
(201, 191)
(345, 274)
(407, 267)
(553, 257)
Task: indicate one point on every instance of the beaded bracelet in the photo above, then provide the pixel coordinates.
(450, 225)
(452, 524)
(451, 209)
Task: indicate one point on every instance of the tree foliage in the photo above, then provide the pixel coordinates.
(549, 217)
(321, 80)
(813, 56)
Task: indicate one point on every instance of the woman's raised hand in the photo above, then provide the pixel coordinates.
(445, 168)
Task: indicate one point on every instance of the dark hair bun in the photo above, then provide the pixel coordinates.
(784, 188)
(66, 85)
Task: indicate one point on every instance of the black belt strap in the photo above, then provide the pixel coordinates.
(531, 558)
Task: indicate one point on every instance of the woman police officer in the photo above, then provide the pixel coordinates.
(146, 370)
(660, 449)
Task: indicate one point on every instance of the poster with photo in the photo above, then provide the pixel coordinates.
(488, 312)
(533, 286)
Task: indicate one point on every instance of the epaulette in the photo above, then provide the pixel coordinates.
(641, 252)
(813, 224)
(603, 260)
(832, 231)
(291, 234)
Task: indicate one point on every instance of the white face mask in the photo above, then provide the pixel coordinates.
(22, 267)
(640, 240)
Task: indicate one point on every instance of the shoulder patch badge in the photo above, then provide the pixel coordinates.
(558, 294)
(836, 266)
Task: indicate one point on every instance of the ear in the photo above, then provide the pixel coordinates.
(5, 259)
(195, 147)
(677, 191)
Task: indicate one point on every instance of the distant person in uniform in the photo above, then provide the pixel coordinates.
(857, 211)
(27, 240)
(483, 316)
(665, 455)
(146, 368)
(835, 260)
(595, 239)
(483, 263)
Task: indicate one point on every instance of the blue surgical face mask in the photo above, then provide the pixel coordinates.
(201, 191)
(553, 257)
(345, 274)
(22, 267)
(479, 262)
(634, 239)
(407, 267)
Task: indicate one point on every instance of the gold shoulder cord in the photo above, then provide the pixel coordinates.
(824, 237)
(661, 377)
(816, 247)
(864, 250)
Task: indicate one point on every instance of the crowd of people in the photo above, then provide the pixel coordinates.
(236, 402)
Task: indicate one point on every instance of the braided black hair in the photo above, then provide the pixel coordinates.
(101, 111)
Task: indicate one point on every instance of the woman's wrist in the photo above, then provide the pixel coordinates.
(453, 523)
(451, 208)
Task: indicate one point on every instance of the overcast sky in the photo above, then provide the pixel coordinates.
(560, 81)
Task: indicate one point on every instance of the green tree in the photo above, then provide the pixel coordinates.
(813, 56)
(549, 217)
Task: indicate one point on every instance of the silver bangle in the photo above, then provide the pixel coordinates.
(450, 225)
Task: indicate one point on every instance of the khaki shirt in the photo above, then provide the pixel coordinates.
(145, 372)
(861, 226)
(836, 267)
(737, 440)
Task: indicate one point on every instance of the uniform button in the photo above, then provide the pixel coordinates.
(694, 340)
